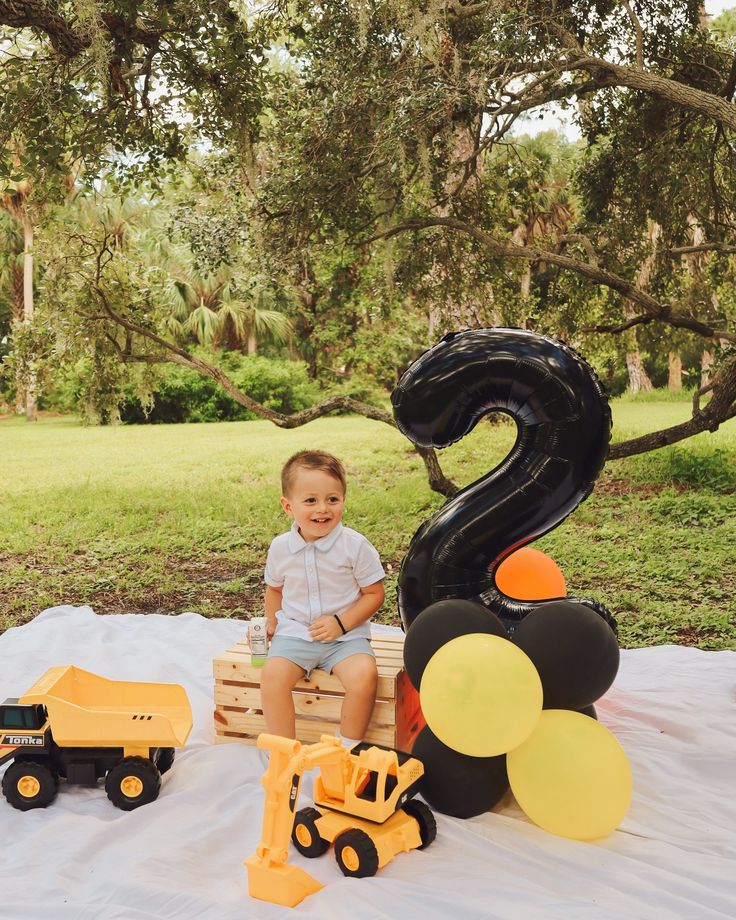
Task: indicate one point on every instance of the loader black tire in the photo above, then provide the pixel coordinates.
(305, 835)
(133, 782)
(30, 784)
(425, 819)
(356, 854)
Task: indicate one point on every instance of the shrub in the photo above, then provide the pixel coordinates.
(183, 395)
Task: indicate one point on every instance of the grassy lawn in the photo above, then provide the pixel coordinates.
(173, 518)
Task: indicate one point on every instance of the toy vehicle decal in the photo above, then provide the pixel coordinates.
(15, 740)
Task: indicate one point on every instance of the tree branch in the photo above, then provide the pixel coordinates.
(37, 14)
(438, 482)
(721, 408)
(688, 97)
(702, 247)
(637, 30)
(653, 309)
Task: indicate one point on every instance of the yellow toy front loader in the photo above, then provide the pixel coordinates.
(363, 804)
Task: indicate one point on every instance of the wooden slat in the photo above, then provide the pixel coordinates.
(305, 704)
(251, 724)
(308, 732)
(238, 673)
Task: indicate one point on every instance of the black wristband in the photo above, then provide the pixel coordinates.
(339, 623)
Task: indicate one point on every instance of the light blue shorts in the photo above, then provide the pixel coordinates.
(311, 655)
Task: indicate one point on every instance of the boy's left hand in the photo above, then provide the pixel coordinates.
(325, 629)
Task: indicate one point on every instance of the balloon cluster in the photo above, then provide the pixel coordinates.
(507, 683)
(516, 711)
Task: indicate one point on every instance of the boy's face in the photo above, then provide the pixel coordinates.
(315, 501)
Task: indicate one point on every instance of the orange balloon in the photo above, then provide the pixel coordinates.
(530, 575)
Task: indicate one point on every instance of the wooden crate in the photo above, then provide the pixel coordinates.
(396, 718)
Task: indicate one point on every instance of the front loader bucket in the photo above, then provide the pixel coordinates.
(285, 885)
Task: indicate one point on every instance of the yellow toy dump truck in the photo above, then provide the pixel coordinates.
(363, 805)
(81, 727)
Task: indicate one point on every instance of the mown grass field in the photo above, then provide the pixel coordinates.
(174, 518)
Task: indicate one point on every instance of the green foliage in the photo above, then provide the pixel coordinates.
(180, 394)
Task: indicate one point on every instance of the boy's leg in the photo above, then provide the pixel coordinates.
(359, 677)
(279, 678)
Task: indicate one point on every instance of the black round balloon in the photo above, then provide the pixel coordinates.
(589, 711)
(440, 623)
(456, 784)
(575, 652)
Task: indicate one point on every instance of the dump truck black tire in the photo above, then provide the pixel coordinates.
(356, 854)
(305, 827)
(165, 760)
(133, 782)
(30, 784)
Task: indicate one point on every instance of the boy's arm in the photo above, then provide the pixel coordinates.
(326, 628)
(272, 603)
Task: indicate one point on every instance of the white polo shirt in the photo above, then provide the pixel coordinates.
(320, 577)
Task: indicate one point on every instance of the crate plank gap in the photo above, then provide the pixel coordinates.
(396, 718)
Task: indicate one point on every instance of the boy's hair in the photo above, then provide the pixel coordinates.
(312, 460)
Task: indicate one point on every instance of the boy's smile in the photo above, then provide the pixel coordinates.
(316, 503)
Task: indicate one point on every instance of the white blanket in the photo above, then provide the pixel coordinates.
(181, 857)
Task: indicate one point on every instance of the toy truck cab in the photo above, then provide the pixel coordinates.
(22, 726)
(15, 717)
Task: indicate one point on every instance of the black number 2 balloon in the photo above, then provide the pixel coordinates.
(564, 427)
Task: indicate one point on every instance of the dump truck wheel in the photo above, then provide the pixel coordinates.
(28, 784)
(305, 835)
(356, 854)
(165, 760)
(133, 782)
(424, 818)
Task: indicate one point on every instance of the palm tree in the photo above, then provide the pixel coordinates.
(204, 306)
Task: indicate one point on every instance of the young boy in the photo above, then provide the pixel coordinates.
(324, 582)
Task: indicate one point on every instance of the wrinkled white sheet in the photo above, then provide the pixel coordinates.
(181, 857)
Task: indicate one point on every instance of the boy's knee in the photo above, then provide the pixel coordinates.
(279, 674)
(359, 674)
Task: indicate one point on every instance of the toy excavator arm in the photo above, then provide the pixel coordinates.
(289, 760)
(268, 873)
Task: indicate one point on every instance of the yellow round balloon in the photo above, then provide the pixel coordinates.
(481, 695)
(571, 776)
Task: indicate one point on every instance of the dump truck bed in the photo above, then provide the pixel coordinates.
(86, 710)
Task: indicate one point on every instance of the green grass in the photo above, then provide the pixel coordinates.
(172, 518)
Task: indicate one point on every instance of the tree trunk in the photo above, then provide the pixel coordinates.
(526, 280)
(31, 413)
(706, 361)
(674, 383)
(252, 346)
(639, 381)
(17, 285)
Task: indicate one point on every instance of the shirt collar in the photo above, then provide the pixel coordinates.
(297, 541)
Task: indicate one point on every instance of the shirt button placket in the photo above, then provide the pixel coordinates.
(312, 580)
